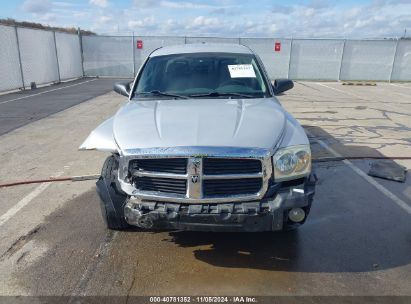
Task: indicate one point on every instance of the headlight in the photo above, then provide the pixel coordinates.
(292, 162)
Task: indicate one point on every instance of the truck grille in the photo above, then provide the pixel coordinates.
(221, 187)
(165, 165)
(213, 166)
(166, 185)
(197, 178)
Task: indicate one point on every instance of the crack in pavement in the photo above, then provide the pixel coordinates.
(131, 286)
(99, 254)
(19, 243)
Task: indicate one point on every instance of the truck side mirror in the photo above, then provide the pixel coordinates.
(122, 88)
(282, 85)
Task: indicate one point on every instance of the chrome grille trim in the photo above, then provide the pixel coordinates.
(203, 176)
(160, 175)
(233, 176)
(194, 169)
(194, 193)
(174, 152)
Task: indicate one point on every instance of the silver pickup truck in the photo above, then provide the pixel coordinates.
(203, 144)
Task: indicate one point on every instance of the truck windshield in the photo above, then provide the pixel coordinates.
(200, 75)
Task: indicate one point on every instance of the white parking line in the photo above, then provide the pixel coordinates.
(397, 85)
(44, 92)
(25, 201)
(382, 189)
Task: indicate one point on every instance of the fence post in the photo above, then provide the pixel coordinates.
(19, 55)
(393, 60)
(185, 39)
(341, 61)
(57, 55)
(134, 56)
(289, 61)
(80, 39)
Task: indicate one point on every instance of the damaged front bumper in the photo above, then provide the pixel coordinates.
(269, 214)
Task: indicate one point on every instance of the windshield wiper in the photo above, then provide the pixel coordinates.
(218, 94)
(158, 93)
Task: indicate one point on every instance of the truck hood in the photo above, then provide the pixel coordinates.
(199, 122)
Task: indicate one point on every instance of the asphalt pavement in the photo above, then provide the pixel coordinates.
(21, 108)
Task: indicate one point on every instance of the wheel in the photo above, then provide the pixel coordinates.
(113, 199)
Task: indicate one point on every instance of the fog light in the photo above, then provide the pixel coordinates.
(296, 215)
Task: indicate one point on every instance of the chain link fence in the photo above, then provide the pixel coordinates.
(299, 59)
(69, 56)
(10, 68)
(31, 55)
(40, 56)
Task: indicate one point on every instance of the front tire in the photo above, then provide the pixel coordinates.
(113, 199)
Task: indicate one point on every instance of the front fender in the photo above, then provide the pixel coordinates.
(101, 138)
(294, 133)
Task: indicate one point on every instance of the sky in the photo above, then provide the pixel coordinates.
(222, 18)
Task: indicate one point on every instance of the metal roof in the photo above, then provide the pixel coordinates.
(202, 48)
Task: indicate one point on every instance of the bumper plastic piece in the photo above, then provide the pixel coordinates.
(269, 214)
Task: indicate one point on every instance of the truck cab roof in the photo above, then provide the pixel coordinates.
(201, 48)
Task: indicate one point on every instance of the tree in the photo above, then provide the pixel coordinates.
(71, 30)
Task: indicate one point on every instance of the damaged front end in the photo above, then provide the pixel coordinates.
(270, 214)
(211, 186)
(198, 188)
(224, 189)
